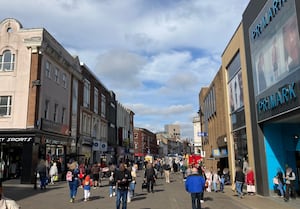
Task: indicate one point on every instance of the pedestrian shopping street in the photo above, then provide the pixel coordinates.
(171, 196)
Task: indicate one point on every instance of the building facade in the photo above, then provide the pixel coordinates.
(52, 106)
(261, 74)
(213, 123)
(125, 132)
(271, 31)
(35, 122)
(145, 143)
(197, 140)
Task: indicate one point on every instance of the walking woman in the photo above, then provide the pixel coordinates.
(72, 178)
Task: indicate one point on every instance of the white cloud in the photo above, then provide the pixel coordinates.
(155, 55)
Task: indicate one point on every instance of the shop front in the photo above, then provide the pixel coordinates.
(13, 149)
(274, 43)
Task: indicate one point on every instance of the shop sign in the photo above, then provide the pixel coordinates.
(51, 126)
(15, 139)
(281, 97)
(267, 17)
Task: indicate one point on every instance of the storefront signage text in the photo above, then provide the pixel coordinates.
(16, 139)
(268, 16)
(281, 97)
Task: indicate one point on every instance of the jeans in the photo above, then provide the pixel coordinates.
(222, 184)
(280, 188)
(196, 204)
(132, 188)
(215, 186)
(73, 185)
(121, 195)
(43, 180)
(112, 189)
(238, 186)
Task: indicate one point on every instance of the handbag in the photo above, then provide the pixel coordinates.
(144, 185)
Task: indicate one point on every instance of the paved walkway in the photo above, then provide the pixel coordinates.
(169, 196)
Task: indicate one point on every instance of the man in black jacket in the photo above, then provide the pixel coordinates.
(150, 177)
(122, 179)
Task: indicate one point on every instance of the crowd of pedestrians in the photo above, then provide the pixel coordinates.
(198, 179)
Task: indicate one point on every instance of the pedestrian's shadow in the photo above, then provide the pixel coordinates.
(208, 199)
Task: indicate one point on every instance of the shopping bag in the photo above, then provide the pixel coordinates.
(55, 178)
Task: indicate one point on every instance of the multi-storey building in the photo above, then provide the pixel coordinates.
(239, 136)
(212, 116)
(198, 134)
(261, 68)
(52, 106)
(93, 145)
(36, 76)
(271, 31)
(173, 130)
(125, 132)
(144, 143)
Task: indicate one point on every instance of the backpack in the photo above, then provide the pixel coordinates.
(69, 176)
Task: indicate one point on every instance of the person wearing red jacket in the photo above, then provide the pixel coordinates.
(250, 181)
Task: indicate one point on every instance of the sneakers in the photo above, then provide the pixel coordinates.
(72, 200)
(114, 194)
(110, 195)
(85, 200)
(202, 201)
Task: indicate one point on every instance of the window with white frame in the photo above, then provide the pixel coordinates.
(103, 105)
(64, 80)
(86, 93)
(7, 61)
(56, 75)
(96, 100)
(46, 110)
(55, 112)
(48, 69)
(5, 105)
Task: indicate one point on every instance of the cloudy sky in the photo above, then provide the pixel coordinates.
(155, 55)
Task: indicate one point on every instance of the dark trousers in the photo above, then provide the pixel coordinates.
(150, 185)
(290, 191)
(196, 204)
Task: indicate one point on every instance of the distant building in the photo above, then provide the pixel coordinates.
(198, 134)
(173, 130)
(144, 143)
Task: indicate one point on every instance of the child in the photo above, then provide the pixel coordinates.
(87, 183)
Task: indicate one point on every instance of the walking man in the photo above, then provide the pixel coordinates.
(195, 184)
(122, 179)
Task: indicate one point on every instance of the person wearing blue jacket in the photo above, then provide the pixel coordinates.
(195, 184)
